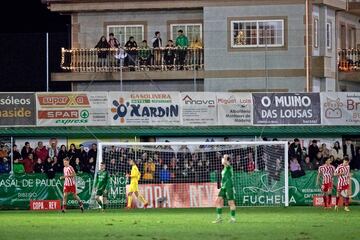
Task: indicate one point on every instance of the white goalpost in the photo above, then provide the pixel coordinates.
(188, 174)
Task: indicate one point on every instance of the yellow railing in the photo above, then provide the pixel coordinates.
(349, 60)
(112, 60)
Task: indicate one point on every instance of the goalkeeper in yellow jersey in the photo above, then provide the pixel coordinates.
(134, 188)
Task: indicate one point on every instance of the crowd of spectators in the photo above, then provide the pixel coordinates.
(306, 159)
(164, 164)
(47, 160)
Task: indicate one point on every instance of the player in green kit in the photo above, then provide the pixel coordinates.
(101, 186)
(227, 191)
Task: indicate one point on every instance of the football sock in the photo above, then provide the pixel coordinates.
(100, 203)
(329, 200)
(142, 199)
(337, 201)
(346, 201)
(129, 201)
(232, 213)
(219, 212)
(325, 200)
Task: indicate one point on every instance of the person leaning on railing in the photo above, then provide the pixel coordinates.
(169, 54)
(144, 54)
(103, 50)
(181, 43)
(131, 47)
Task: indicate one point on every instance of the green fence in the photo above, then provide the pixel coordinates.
(255, 188)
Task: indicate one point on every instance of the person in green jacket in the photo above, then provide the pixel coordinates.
(181, 43)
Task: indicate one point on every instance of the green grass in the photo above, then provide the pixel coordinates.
(299, 223)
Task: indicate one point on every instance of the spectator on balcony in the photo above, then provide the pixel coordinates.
(337, 152)
(131, 47)
(195, 54)
(41, 152)
(144, 55)
(157, 46)
(113, 42)
(5, 165)
(102, 51)
(313, 150)
(26, 150)
(28, 163)
(181, 43)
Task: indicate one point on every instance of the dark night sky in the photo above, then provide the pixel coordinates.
(23, 46)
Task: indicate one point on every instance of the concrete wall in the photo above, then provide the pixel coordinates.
(181, 85)
(219, 57)
(92, 23)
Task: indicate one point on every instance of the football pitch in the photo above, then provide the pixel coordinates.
(298, 223)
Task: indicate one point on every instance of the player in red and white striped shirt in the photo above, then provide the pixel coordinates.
(326, 171)
(70, 184)
(343, 174)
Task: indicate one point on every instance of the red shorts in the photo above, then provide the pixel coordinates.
(342, 188)
(70, 189)
(326, 187)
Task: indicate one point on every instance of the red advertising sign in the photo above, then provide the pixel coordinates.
(181, 195)
(318, 201)
(40, 205)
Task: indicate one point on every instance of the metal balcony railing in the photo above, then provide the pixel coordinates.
(349, 60)
(112, 60)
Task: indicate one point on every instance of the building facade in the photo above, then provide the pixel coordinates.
(259, 45)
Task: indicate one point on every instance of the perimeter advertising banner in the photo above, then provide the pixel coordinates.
(17, 109)
(72, 109)
(144, 108)
(180, 195)
(286, 108)
(255, 189)
(16, 191)
(198, 108)
(342, 108)
(234, 108)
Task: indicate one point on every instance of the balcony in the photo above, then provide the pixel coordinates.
(354, 7)
(133, 64)
(349, 64)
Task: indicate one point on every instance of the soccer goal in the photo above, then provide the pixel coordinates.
(188, 174)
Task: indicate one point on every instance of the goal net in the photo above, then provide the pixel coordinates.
(188, 174)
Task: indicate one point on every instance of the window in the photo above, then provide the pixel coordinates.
(191, 30)
(259, 33)
(328, 35)
(123, 32)
(351, 37)
(316, 32)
